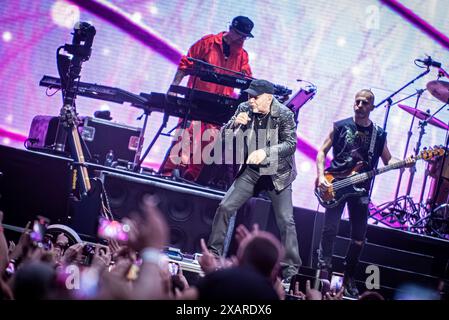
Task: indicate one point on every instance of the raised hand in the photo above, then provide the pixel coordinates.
(332, 295)
(23, 244)
(207, 261)
(295, 292)
(72, 253)
(150, 230)
(241, 119)
(102, 256)
(312, 294)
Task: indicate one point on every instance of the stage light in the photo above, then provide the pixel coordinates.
(104, 107)
(153, 9)
(356, 70)
(9, 118)
(105, 52)
(341, 41)
(64, 14)
(7, 36)
(136, 17)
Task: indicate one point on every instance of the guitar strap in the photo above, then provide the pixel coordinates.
(372, 145)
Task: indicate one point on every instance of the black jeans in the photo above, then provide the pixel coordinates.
(243, 189)
(358, 216)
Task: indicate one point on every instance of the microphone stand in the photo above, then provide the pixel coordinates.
(402, 88)
(387, 113)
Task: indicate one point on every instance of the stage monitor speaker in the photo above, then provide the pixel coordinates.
(33, 184)
(189, 211)
(189, 215)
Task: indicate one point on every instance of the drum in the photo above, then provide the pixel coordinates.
(437, 206)
(438, 197)
(435, 167)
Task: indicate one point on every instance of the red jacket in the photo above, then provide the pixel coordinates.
(210, 49)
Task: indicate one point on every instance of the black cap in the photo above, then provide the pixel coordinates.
(243, 25)
(258, 87)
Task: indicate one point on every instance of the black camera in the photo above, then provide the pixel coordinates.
(83, 37)
(87, 254)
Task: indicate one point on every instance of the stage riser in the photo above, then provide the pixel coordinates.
(388, 256)
(401, 240)
(392, 278)
(416, 253)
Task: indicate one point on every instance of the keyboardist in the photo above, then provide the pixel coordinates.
(224, 49)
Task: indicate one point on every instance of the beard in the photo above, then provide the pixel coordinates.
(360, 114)
(237, 44)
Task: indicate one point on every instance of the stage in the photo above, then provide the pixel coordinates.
(36, 183)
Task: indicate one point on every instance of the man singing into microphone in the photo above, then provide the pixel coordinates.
(269, 166)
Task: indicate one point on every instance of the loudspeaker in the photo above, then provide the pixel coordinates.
(33, 184)
(189, 212)
(42, 133)
(102, 136)
(99, 138)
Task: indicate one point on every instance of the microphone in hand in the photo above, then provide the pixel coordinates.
(242, 119)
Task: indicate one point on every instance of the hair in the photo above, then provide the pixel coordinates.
(370, 92)
(371, 295)
(34, 281)
(262, 252)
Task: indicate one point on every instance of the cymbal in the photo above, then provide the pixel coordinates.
(439, 89)
(424, 116)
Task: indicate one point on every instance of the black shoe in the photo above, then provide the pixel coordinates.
(350, 288)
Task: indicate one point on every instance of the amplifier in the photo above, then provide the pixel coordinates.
(100, 136)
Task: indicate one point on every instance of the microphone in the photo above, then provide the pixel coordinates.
(249, 113)
(430, 63)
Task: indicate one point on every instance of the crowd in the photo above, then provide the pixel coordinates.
(137, 269)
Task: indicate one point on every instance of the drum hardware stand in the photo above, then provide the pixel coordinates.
(423, 220)
(396, 210)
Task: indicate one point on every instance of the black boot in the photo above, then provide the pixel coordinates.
(324, 263)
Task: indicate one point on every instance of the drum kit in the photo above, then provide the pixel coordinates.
(428, 216)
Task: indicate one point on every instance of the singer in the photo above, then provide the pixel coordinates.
(269, 168)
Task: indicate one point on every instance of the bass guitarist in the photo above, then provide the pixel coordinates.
(353, 140)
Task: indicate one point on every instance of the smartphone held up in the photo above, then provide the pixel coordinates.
(112, 229)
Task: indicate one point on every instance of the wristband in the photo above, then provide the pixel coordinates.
(151, 255)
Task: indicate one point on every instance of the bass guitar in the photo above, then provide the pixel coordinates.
(347, 183)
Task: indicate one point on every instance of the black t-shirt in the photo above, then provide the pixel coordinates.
(351, 144)
(260, 123)
(226, 49)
